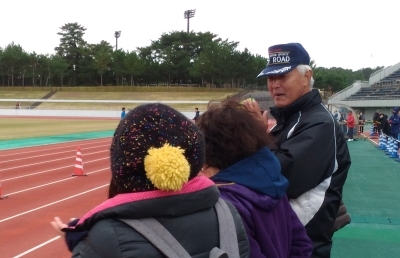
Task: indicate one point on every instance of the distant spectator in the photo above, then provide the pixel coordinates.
(350, 125)
(18, 105)
(361, 122)
(123, 113)
(342, 122)
(385, 124)
(376, 122)
(197, 114)
(394, 121)
(336, 115)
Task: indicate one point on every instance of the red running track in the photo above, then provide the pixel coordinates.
(39, 186)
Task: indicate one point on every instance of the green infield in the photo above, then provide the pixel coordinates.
(19, 128)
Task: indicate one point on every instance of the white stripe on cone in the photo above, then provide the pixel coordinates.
(78, 170)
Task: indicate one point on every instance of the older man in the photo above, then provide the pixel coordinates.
(311, 148)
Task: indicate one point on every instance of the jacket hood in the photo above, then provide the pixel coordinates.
(261, 173)
(196, 195)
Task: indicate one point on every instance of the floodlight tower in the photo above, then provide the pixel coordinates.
(189, 14)
(117, 34)
(74, 73)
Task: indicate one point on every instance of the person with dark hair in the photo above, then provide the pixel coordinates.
(247, 173)
(361, 122)
(386, 130)
(156, 155)
(394, 121)
(376, 122)
(123, 113)
(342, 123)
(197, 114)
(311, 149)
(350, 125)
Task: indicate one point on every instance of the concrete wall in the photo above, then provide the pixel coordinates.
(379, 75)
(347, 92)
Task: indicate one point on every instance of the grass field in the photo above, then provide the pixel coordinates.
(17, 128)
(156, 96)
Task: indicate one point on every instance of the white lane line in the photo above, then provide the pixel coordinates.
(47, 205)
(37, 247)
(47, 144)
(48, 154)
(49, 149)
(54, 182)
(49, 170)
(48, 161)
(37, 173)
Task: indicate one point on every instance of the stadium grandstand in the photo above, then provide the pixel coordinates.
(382, 92)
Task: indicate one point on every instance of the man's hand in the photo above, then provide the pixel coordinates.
(58, 225)
(253, 107)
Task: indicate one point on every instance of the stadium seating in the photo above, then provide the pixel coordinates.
(386, 89)
(377, 93)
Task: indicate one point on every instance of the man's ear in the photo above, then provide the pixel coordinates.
(307, 77)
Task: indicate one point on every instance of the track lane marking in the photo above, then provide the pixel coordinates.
(50, 204)
(69, 145)
(49, 170)
(48, 161)
(54, 182)
(37, 247)
(56, 143)
(44, 155)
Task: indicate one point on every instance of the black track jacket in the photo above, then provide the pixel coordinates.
(315, 159)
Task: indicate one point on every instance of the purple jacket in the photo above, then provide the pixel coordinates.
(257, 189)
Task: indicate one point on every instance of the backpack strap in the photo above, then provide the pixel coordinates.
(159, 236)
(227, 230)
(218, 253)
(164, 241)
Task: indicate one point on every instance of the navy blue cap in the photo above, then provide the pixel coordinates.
(284, 58)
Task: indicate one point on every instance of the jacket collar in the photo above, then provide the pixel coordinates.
(309, 99)
(260, 172)
(198, 194)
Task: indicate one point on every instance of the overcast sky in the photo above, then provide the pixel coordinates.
(344, 33)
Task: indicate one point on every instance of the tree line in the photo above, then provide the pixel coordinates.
(176, 58)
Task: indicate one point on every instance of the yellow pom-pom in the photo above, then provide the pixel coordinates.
(167, 167)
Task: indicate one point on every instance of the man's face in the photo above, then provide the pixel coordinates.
(287, 88)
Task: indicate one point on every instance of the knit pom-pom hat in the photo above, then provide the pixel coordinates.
(156, 147)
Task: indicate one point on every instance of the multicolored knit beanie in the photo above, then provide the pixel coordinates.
(156, 147)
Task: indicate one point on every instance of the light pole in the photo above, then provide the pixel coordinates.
(117, 34)
(189, 14)
(74, 73)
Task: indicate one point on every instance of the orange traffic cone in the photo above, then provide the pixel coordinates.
(2, 196)
(78, 170)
